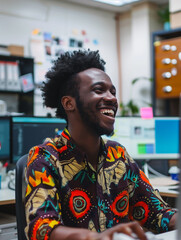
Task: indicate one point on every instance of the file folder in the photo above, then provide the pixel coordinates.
(2, 76)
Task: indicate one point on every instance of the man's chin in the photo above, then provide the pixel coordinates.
(107, 132)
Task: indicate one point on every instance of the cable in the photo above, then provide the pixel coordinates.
(11, 184)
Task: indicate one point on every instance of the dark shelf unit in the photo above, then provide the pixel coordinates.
(25, 100)
(171, 105)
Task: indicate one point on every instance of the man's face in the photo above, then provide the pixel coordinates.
(97, 103)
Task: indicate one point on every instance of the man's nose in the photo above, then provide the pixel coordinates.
(110, 97)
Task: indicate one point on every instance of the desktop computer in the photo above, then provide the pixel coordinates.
(151, 142)
(18, 134)
(27, 132)
(155, 138)
(4, 139)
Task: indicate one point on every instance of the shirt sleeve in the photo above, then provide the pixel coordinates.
(42, 202)
(146, 204)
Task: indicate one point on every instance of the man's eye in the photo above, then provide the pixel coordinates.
(113, 93)
(98, 90)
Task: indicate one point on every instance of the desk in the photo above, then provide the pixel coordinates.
(166, 186)
(172, 235)
(7, 196)
(168, 191)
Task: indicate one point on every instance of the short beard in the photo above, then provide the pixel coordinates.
(92, 125)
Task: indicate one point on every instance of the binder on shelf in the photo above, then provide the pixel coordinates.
(13, 67)
(9, 76)
(12, 77)
(2, 76)
(15, 75)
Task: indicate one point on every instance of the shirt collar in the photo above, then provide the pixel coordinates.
(67, 139)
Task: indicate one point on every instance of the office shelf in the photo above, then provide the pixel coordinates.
(24, 101)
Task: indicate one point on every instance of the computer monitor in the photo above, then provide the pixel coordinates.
(147, 140)
(27, 132)
(156, 138)
(4, 139)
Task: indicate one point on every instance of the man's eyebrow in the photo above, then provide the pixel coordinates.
(102, 84)
(98, 83)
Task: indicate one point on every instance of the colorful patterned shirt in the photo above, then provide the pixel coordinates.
(64, 189)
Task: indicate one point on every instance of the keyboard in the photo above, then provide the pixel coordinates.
(171, 235)
(150, 236)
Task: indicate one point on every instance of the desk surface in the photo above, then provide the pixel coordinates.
(166, 186)
(172, 235)
(7, 196)
(167, 191)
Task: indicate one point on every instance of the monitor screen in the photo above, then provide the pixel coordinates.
(4, 138)
(27, 132)
(156, 138)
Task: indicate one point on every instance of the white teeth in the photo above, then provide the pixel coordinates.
(109, 112)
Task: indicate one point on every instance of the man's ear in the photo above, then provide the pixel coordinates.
(68, 103)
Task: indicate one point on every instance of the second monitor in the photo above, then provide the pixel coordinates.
(27, 132)
(156, 138)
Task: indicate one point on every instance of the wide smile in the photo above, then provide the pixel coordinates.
(108, 112)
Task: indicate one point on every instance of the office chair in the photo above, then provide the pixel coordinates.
(20, 188)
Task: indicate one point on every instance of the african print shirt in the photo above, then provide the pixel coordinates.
(64, 189)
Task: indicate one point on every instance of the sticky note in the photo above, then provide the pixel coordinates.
(146, 112)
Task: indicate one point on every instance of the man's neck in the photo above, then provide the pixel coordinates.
(88, 143)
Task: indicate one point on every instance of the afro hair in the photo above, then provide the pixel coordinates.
(61, 78)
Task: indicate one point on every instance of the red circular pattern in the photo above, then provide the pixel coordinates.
(120, 205)
(139, 212)
(79, 203)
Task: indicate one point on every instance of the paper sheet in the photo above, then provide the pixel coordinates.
(163, 181)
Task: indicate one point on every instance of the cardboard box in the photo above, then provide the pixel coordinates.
(175, 20)
(16, 50)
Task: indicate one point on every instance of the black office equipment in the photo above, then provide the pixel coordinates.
(4, 138)
(27, 132)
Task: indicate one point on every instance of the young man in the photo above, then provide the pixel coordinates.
(81, 187)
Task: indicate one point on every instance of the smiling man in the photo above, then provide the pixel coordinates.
(79, 186)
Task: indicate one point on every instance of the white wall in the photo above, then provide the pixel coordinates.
(18, 19)
(174, 5)
(136, 27)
